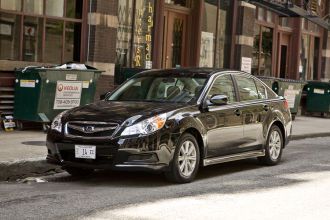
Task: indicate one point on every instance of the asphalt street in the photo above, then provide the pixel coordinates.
(298, 188)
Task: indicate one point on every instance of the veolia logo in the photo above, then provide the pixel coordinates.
(60, 87)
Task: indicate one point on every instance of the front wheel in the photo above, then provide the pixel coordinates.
(185, 163)
(274, 147)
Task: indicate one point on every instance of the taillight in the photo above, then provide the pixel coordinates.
(286, 104)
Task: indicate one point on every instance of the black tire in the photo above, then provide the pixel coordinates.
(74, 171)
(174, 173)
(268, 159)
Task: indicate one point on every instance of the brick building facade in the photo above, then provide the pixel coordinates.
(143, 34)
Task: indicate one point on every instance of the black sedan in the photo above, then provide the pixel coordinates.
(173, 121)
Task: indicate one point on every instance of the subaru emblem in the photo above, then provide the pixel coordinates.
(89, 129)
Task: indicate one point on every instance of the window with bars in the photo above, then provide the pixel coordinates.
(262, 51)
(41, 30)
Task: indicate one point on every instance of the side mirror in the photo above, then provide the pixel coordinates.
(219, 100)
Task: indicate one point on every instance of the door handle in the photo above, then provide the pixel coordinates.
(237, 112)
(266, 108)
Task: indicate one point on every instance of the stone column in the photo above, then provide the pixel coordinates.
(244, 33)
(101, 52)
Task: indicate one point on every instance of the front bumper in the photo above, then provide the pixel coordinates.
(149, 153)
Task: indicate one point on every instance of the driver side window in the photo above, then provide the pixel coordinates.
(223, 85)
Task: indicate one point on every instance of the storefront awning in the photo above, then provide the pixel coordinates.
(288, 9)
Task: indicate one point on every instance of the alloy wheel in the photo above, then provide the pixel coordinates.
(187, 158)
(275, 145)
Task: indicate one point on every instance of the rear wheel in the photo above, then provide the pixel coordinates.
(74, 171)
(274, 147)
(185, 163)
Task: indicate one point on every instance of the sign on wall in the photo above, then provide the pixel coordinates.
(68, 94)
(207, 50)
(246, 64)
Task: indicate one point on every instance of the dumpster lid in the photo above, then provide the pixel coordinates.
(281, 79)
(313, 82)
(66, 66)
(76, 66)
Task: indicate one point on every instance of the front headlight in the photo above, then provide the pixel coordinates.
(147, 126)
(57, 122)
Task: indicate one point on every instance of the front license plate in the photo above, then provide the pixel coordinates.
(85, 151)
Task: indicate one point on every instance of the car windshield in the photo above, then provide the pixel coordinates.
(158, 88)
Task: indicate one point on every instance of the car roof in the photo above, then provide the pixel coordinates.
(183, 71)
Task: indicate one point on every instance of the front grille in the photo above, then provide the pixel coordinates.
(89, 129)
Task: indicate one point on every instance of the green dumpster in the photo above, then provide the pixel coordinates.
(271, 82)
(318, 97)
(291, 90)
(42, 93)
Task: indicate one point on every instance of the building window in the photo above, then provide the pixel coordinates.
(265, 15)
(135, 33)
(215, 36)
(51, 30)
(55, 8)
(53, 41)
(262, 51)
(33, 7)
(286, 22)
(9, 36)
(184, 3)
(14, 5)
(261, 14)
(32, 38)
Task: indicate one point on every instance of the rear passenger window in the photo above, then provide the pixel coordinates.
(247, 88)
(271, 94)
(261, 90)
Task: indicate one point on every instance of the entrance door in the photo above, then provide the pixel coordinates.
(175, 33)
(284, 51)
(283, 64)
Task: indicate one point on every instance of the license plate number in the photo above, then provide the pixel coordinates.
(85, 151)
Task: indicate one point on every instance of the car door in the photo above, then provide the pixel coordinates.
(223, 123)
(254, 110)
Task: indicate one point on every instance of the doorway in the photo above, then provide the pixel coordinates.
(316, 58)
(284, 55)
(175, 36)
(283, 63)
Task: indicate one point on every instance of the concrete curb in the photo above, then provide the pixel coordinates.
(305, 136)
(31, 168)
(26, 168)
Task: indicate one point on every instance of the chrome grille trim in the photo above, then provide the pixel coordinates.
(80, 126)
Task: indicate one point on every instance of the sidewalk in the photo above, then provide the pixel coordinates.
(309, 127)
(23, 153)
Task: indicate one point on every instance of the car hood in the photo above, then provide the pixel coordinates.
(115, 111)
